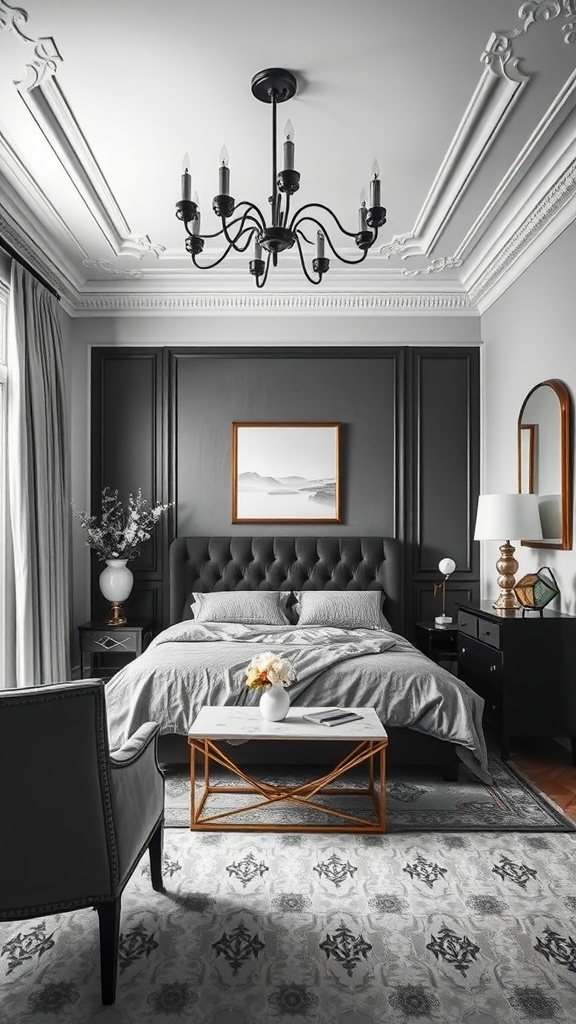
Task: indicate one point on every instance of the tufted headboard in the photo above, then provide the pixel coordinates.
(206, 564)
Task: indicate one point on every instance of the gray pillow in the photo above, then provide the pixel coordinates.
(349, 609)
(261, 607)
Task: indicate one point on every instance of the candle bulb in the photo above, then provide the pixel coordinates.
(196, 221)
(257, 250)
(289, 146)
(186, 179)
(375, 185)
(224, 173)
(320, 246)
(362, 212)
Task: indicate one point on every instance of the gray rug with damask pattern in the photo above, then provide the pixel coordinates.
(417, 801)
(259, 928)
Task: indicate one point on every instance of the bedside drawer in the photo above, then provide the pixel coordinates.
(116, 640)
(489, 633)
(467, 623)
(479, 665)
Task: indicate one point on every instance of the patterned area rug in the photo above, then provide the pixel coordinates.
(254, 929)
(416, 802)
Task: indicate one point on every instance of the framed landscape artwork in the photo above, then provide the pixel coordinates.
(286, 473)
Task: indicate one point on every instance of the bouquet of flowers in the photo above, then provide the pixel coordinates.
(120, 531)
(269, 669)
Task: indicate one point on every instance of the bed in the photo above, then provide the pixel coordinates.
(329, 590)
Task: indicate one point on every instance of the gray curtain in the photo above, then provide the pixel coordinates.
(38, 499)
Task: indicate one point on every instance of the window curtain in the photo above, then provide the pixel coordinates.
(38, 498)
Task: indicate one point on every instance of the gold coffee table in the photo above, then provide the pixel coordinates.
(215, 725)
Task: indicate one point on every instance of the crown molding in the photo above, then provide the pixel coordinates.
(547, 132)
(504, 262)
(29, 251)
(414, 303)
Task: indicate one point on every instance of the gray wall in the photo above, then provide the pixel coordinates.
(212, 393)
(162, 420)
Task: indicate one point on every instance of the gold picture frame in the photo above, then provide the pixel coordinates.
(286, 472)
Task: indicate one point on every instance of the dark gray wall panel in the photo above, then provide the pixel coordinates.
(211, 393)
(161, 419)
(127, 437)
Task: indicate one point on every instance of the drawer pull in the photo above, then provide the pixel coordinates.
(492, 668)
(463, 650)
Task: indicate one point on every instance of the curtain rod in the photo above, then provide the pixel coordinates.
(23, 263)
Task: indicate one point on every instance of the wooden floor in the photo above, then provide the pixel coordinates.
(549, 767)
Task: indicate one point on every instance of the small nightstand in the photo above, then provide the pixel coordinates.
(113, 642)
(439, 643)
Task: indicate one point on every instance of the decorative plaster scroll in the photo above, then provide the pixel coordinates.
(436, 266)
(548, 10)
(401, 245)
(140, 246)
(46, 56)
(562, 192)
(423, 302)
(499, 56)
(110, 269)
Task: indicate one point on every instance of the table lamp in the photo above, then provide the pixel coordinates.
(446, 566)
(507, 515)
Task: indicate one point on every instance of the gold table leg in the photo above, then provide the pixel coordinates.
(302, 795)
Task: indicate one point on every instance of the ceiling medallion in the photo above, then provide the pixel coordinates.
(250, 227)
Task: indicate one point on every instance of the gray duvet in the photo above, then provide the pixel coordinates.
(192, 664)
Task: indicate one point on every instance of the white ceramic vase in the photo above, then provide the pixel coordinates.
(116, 582)
(274, 703)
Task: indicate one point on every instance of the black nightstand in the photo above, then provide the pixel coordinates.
(440, 643)
(98, 642)
(523, 667)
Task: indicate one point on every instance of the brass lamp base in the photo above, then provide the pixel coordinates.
(116, 617)
(507, 566)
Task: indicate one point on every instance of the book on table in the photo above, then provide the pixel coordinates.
(332, 716)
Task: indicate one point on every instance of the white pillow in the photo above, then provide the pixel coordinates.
(263, 607)
(349, 609)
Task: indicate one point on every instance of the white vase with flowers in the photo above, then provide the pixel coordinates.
(271, 674)
(116, 537)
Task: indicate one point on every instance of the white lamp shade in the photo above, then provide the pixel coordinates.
(447, 566)
(508, 517)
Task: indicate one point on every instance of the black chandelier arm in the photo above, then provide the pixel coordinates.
(303, 262)
(210, 266)
(343, 259)
(250, 231)
(319, 206)
(259, 220)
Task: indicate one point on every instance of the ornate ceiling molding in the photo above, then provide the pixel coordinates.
(46, 57)
(436, 266)
(49, 107)
(497, 92)
(422, 302)
(108, 268)
(500, 267)
(21, 244)
(533, 11)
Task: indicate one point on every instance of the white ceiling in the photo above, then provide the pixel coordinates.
(468, 105)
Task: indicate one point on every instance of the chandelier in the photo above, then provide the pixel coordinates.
(243, 223)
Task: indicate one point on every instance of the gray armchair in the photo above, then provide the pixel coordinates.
(75, 819)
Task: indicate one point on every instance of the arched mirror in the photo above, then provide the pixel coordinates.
(545, 460)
